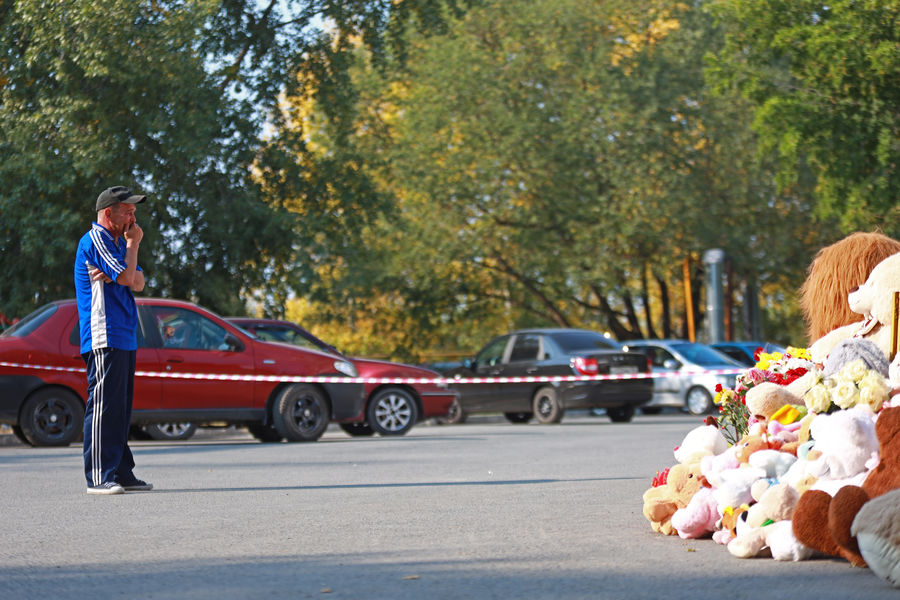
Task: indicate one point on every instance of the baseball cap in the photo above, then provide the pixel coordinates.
(116, 194)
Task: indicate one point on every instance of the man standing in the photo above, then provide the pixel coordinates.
(106, 274)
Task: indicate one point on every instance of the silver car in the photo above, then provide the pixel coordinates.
(686, 373)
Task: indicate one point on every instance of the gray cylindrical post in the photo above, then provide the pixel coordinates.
(714, 263)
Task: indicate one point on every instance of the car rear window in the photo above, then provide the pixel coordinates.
(571, 341)
(701, 355)
(735, 353)
(31, 322)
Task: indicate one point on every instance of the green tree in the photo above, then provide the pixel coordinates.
(177, 100)
(113, 92)
(823, 80)
(555, 162)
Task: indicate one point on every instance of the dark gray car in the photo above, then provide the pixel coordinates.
(551, 352)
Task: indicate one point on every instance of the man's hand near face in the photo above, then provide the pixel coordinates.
(133, 234)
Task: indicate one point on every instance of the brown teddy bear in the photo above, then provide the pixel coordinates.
(749, 444)
(765, 399)
(661, 501)
(835, 270)
(816, 507)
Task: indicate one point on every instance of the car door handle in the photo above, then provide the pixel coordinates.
(531, 370)
(175, 359)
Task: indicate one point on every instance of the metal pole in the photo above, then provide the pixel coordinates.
(714, 261)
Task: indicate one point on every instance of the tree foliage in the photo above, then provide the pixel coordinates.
(823, 80)
(107, 93)
(426, 173)
(175, 99)
(554, 163)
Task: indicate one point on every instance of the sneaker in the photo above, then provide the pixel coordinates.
(136, 485)
(110, 487)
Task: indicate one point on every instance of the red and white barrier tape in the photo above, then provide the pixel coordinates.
(383, 380)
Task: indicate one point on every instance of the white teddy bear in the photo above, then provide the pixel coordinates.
(847, 441)
(874, 301)
(703, 440)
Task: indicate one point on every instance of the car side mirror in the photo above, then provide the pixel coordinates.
(233, 344)
(468, 363)
(671, 363)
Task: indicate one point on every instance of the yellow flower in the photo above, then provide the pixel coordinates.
(817, 399)
(799, 353)
(766, 359)
(726, 395)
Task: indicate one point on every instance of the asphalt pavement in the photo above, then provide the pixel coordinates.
(482, 510)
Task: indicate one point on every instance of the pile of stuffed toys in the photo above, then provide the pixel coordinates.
(803, 459)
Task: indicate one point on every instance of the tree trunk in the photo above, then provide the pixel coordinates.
(645, 299)
(631, 314)
(619, 331)
(665, 305)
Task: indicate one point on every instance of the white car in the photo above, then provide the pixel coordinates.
(688, 374)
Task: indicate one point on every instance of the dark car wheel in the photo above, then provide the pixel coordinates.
(17, 431)
(301, 413)
(357, 429)
(455, 415)
(52, 417)
(518, 417)
(264, 433)
(172, 432)
(136, 432)
(698, 401)
(392, 411)
(546, 406)
(620, 414)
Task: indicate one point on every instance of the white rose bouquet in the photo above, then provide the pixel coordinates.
(853, 385)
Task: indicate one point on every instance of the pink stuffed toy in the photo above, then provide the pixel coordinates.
(785, 433)
(699, 517)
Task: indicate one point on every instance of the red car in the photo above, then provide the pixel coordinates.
(192, 366)
(391, 408)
